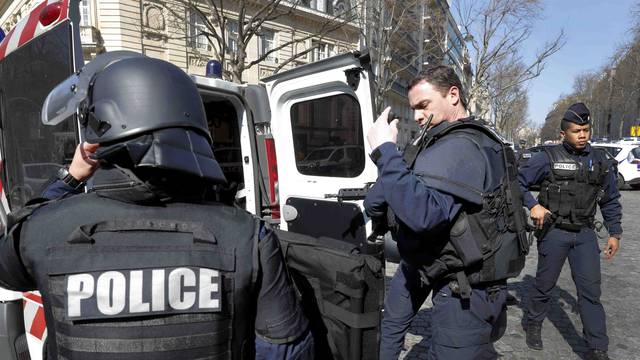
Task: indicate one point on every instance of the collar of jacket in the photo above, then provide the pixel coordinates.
(573, 151)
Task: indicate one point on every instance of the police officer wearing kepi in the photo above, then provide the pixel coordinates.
(148, 268)
(450, 202)
(574, 178)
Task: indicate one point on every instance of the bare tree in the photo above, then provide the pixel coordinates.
(392, 31)
(230, 26)
(624, 99)
(496, 30)
(388, 30)
(551, 128)
(509, 102)
(586, 88)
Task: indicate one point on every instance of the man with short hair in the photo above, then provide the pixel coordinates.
(574, 178)
(445, 222)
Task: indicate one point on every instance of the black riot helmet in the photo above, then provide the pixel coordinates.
(146, 108)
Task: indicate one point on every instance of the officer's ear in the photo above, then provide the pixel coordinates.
(454, 95)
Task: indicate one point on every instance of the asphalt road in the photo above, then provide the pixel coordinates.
(562, 330)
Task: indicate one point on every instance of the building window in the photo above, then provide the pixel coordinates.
(321, 50)
(232, 36)
(85, 13)
(268, 43)
(454, 44)
(154, 19)
(320, 5)
(196, 31)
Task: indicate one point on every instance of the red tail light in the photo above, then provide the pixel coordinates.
(272, 167)
(50, 13)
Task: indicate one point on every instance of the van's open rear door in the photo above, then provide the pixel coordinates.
(320, 115)
(38, 53)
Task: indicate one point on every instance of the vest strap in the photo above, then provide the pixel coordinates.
(84, 233)
(463, 283)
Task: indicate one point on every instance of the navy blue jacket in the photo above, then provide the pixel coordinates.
(448, 174)
(418, 206)
(451, 174)
(535, 170)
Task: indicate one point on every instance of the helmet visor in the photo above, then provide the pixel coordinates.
(63, 100)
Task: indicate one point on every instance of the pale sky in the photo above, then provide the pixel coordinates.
(594, 30)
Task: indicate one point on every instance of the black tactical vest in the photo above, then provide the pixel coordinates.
(126, 281)
(488, 242)
(573, 188)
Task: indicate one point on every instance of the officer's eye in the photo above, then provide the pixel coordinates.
(421, 106)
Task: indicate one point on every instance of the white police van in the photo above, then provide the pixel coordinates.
(267, 131)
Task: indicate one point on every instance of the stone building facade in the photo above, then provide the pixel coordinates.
(169, 30)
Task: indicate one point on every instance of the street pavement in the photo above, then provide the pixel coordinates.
(562, 330)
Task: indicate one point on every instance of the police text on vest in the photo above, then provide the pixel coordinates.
(126, 293)
(565, 166)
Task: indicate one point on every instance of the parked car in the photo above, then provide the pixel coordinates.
(630, 140)
(343, 160)
(627, 156)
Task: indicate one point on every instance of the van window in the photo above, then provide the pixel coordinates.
(327, 136)
(224, 127)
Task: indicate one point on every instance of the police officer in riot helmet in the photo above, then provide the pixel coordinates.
(574, 177)
(450, 192)
(147, 268)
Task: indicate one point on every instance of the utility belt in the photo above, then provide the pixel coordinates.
(567, 225)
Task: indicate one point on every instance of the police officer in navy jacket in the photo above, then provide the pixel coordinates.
(574, 178)
(435, 200)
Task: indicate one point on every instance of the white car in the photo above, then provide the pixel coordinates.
(345, 161)
(627, 154)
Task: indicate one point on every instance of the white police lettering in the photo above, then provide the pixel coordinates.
(179, 279)
(79, 287)
(565, 166)
(136, 305)
(208, 287)
(110, 291)
(142, 291)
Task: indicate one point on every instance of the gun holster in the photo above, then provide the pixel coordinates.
(549, 223)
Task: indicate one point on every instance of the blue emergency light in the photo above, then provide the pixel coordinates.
(214, 69)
